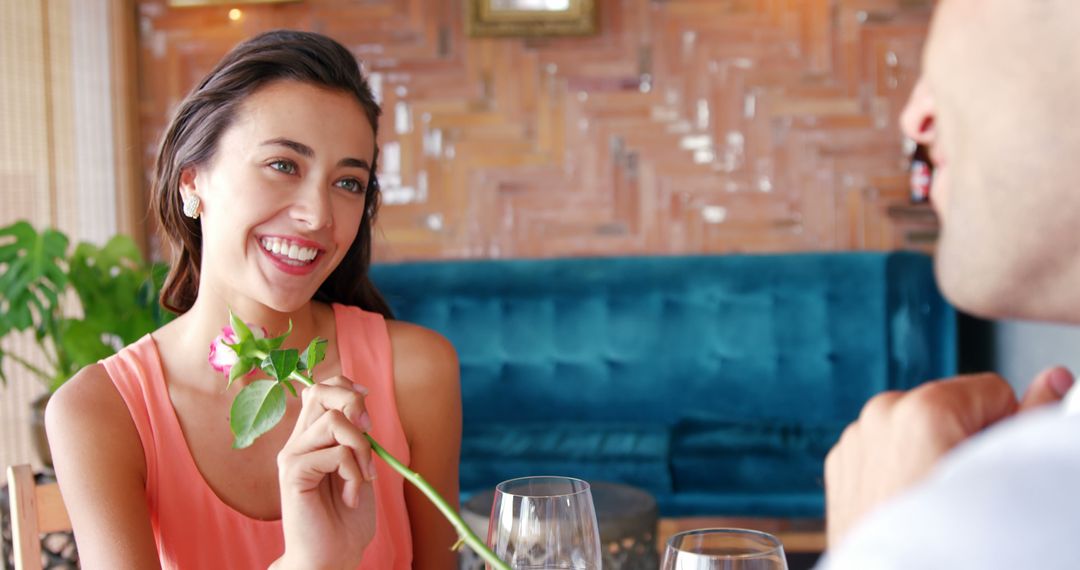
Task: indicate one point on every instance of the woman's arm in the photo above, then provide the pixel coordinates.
(101, 469)
(428, 391)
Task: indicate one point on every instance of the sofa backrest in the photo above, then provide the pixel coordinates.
(803, 338)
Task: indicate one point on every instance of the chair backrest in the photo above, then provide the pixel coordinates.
(35, 510)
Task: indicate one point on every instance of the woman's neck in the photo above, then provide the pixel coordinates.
(210, 314)
(199, 326)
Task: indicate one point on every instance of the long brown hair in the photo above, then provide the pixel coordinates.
(208, 111)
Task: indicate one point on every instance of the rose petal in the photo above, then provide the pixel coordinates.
(222, 358)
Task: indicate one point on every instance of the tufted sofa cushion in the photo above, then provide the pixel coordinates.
(778, 463)
(637, 454)
(764, 343)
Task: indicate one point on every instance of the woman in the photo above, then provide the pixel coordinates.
(265, 183)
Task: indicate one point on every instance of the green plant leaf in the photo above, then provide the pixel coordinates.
(82, 342)
(122, 249)
(313, 354)
(240, 369)
(240, 328)
(31, 271)
(256, 410)
(281, 363)
(268, 344)
(116, 289)
(288, 384)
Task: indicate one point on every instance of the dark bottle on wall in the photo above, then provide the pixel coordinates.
(921, 174)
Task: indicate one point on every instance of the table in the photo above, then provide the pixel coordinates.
(627, 517)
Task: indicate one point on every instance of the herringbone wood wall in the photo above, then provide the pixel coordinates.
(684, 126)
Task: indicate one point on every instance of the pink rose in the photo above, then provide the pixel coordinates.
(222, 358)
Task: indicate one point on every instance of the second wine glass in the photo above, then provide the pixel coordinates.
(724, 549)
(545, 523)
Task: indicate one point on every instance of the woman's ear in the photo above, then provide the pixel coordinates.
(187, 181)
(189, 197)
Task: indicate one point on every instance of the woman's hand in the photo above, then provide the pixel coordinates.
(325, 472)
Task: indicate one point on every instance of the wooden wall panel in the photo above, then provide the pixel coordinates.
(684, 126)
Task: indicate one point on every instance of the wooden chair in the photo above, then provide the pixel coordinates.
(35, 510)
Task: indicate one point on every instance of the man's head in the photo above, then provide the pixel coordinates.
(997, 105)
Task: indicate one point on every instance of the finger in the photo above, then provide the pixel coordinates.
(340, 381)
(330, 430)
(970, 402)
(305, 472)
(343, 382)
(840, 485)
(322, 397)
(1049, 386)
(880, 406)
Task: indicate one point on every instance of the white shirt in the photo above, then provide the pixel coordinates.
(1008, 498)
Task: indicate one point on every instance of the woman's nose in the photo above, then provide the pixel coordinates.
(312, 206)
(917, 118)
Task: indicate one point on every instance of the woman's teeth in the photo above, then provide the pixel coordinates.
(288, 250)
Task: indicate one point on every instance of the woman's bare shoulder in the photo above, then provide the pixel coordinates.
(100, 464)
(426, 376)
(88, 410)
(421, 356)
(88, 396)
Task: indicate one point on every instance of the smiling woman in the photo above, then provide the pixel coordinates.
(265, 187)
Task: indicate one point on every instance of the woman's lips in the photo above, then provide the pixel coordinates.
(286, 263)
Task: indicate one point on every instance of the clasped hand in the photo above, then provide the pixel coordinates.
(900, 436)
(325, 471)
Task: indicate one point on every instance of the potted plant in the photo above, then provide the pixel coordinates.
(82, 305)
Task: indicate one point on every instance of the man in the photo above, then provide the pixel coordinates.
(958, 474)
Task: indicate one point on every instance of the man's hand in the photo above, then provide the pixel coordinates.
(900, 436)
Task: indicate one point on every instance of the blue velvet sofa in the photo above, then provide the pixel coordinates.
(718, 383)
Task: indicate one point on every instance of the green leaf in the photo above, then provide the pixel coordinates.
(30, 260)
(240, 328)
(59, 380)
(268, 344)
(122, 248)
(240, 369)
(256, 410)
(313, 354)
(288, 384)
(281, 363)
(36, 271)
(82, 342)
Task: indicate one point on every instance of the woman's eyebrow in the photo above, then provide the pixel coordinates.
(308, 152)
(300, 148)
(356, 163)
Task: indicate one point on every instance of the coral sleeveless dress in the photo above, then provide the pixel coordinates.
(193, 527)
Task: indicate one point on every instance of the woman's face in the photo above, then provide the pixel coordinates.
(283, 196)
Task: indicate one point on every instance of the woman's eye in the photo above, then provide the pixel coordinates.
(350, 185)
(283, 166)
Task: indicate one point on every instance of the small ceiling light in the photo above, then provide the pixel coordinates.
(235, 14)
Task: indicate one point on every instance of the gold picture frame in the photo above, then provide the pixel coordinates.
(230, 3)
(530, 18)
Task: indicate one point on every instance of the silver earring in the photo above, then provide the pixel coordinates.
(191, 206)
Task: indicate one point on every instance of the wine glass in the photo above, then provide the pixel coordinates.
(724, 549)
(545, 523)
